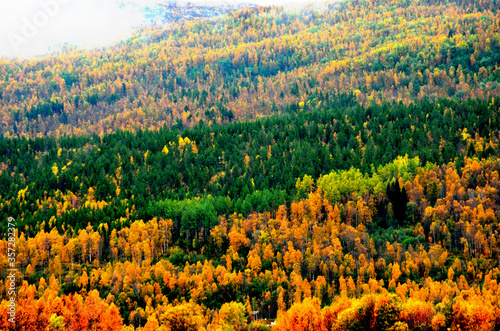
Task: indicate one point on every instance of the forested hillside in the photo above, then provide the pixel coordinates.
(199, 226)
(332, 169)
(257, 62)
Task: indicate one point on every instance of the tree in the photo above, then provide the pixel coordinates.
(302, 316)
(184, 317)
(232, 315)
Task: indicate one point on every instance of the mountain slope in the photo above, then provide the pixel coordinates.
(374, 209)
(256, 62)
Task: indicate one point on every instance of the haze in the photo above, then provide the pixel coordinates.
(34, 27)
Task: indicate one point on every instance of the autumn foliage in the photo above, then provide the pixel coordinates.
(256, 62)
(368, 199)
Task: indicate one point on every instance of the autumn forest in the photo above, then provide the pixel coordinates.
(323, 168)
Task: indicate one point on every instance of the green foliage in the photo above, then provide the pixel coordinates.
(304, 186)
(403, 167)
(244, 167)
(346, 184)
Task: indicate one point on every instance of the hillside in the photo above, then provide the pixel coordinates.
(167, 226)
(269, 170)
(257, 62)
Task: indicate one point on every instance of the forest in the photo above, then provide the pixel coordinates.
(333, 169)
(254, 63)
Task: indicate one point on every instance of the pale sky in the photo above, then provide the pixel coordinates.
(32, 27)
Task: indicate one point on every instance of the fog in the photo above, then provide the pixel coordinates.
(34, 27)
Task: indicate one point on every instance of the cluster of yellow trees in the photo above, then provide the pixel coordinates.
(239, 66)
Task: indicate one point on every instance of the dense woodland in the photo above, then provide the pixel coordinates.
(257, 62)
(150, 192)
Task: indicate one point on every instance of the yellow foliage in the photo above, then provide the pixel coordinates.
(165, 150)
(55, 169)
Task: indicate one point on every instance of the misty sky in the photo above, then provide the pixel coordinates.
(32, 27)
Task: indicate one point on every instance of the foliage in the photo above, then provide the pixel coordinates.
(372, 210)
(256, 62)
